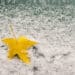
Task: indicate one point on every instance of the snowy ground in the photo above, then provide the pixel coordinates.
(55, 32)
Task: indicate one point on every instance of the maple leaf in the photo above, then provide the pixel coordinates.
(19, 46)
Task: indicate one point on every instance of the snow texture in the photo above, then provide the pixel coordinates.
(53, 28)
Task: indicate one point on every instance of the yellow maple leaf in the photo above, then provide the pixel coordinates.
(19, 46)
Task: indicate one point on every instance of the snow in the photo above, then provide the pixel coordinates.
(53, 29)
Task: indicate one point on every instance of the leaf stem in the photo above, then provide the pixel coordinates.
(12, 30)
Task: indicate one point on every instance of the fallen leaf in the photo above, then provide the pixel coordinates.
(19, 46)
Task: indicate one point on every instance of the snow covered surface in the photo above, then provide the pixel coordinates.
(54, 29)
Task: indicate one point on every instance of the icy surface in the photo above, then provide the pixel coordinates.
(54, 29)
